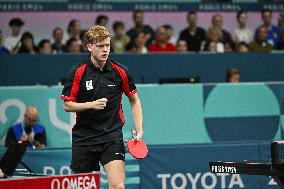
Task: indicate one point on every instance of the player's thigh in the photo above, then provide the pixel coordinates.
(84, 161)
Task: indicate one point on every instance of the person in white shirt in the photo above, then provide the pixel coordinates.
(242, 33)
(13, 41)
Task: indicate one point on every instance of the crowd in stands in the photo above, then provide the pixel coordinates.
(142, 38)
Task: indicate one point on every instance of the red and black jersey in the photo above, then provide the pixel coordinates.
(88, 83)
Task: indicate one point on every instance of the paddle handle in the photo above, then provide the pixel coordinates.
(134, 134)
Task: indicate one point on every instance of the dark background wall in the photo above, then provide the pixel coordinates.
(49, 69)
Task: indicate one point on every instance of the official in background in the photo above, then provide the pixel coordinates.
(27, 130)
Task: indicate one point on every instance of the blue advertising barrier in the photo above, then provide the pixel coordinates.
(186, 167)
(169, 166)
(173, 114)
(56, 161)
(146, 5)
(149, 68)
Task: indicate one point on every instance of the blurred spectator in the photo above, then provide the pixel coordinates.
(233, 75)
(280, 45)
(12, 42)
(214, 35)
(73, 46)
(74, 29)
(3, 50)
(138, 18)
(83, 41)
(181, 45)
(120, 39)
(169, 29)
(138, 46)
(102, 20)
(58, 46)
(44, 46)
(273, 34)
(161, 42)
(260, 44)
(27, 44)
(211, 47)
(242, 33)
(229, 47)
(217, 23)
(193, 35)
(27, 129)
(242, 47)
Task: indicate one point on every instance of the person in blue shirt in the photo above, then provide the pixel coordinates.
(27, 130)
(273, 35)
(3, 50)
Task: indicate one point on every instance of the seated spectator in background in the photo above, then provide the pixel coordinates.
(58, 46)
(83, 41)
(217, 23)
(102, 20)
(138, 46)
(242, 47)
(12, 42)
(193, 35)
(161, 42)
(214, 35)
(28, 130)
(233, 75)
(169, 29)
(27, 44)
(242, 33)
(280, 45)
(138, 18)
(120, 39)
(181, 45)
(260, 44)
(3, 50)
(273, 34)
(73, 46)
(44, 47)
(211, 47)
(74, 29)
(229, 47)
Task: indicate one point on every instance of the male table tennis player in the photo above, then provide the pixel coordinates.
(94, 91)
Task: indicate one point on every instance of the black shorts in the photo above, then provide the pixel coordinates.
(86, 158)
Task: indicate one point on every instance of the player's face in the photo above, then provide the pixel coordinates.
(100, 50)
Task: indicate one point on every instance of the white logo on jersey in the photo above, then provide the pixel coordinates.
(89, 85)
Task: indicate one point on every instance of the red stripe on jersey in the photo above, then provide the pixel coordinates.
(125, 84)
(120, 111)
(76, 83)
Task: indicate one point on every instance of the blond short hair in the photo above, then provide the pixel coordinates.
(96, 34)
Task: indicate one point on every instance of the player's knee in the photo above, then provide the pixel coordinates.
(116, 186)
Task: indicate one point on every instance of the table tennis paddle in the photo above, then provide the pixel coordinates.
(137, 148)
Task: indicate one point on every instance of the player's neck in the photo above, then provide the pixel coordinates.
(98, 64)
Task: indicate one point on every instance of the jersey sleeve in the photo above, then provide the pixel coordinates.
(128, 85)
(69, 85)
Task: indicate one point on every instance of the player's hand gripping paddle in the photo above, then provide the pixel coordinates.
(137, 148)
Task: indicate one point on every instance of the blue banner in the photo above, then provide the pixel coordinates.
(179, 114)
(153, 6)
(57, 162)
(169, 166)
(186, 167)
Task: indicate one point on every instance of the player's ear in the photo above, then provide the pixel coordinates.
(89, 47)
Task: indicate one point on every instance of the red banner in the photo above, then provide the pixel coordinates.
(76, 181)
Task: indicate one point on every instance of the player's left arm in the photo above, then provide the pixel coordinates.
(137, 114)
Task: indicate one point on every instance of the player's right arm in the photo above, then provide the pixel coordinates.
(70, 106)
(71, 90)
